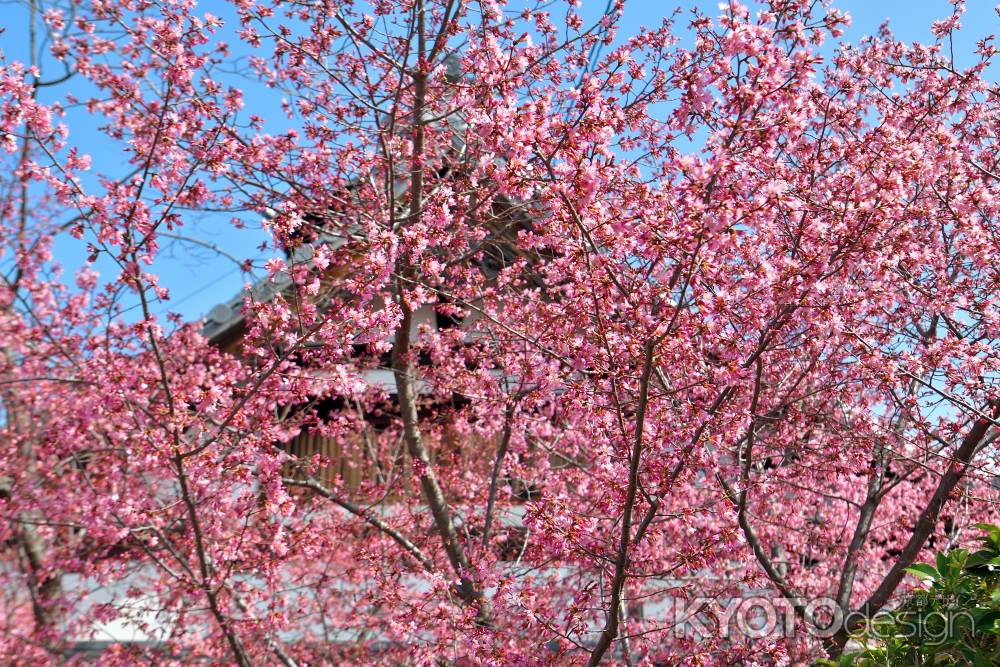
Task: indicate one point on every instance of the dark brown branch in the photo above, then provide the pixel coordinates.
(497, 467)
(402, 364)
(366, 514)
(610, 631)
(924, 526)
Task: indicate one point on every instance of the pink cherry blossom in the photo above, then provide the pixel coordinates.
(558, 342)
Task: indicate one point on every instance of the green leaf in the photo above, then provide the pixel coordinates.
(924, 571)
(987, 622)
(981, 557)
(942, 562)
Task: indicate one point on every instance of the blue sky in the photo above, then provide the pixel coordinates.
(198, 279)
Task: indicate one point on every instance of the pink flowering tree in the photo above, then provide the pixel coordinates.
(658, 320)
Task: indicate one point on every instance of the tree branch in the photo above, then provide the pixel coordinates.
(610, 631)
